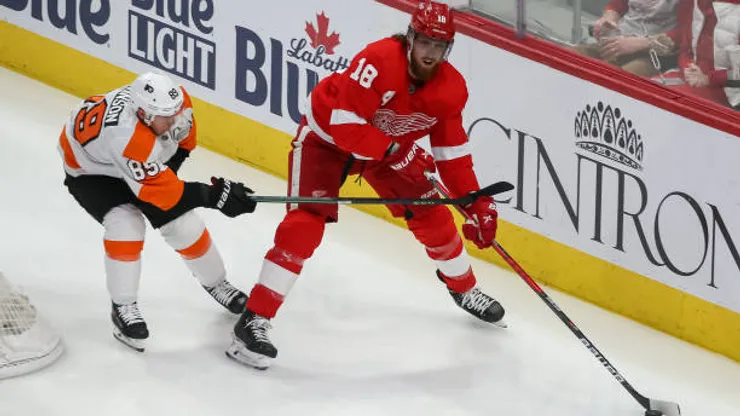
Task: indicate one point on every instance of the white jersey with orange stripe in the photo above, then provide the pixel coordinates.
(104, 136)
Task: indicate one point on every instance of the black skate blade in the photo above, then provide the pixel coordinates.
(239, 353)
(135, 344)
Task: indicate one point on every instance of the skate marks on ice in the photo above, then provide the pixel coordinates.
(421, 360)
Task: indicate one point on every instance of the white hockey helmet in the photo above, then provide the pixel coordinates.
(157, 95)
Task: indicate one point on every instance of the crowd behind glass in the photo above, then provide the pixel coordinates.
(690, 46)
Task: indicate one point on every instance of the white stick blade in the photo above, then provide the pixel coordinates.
(668, 408)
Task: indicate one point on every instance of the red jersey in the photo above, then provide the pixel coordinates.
(374, 102)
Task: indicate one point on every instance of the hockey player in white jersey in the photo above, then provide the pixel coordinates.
(121, 153)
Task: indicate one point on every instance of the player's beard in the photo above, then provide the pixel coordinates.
(422, 73)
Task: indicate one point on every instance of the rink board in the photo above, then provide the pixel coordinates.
(568, 224)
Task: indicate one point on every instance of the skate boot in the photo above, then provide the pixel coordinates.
(480, 305)
(250, 345)
(227, 295)
(129, 326)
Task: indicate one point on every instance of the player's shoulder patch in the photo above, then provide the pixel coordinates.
(140, 144)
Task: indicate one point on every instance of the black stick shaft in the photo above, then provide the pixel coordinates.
(644, 401)
(490, 190)
(350, 200)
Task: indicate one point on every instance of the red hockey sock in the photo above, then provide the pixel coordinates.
(436, 229)
(264, 302)
(295, 241)
(459, 284)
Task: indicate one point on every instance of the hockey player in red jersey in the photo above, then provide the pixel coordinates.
(366, 121)
(121, 152)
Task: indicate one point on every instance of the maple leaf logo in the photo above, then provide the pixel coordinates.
(321, 35)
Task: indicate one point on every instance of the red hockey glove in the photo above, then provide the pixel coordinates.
(482, 228)
(410, 162)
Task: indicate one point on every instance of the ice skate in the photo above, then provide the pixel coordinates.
(480, 305)
(250, 345)
(129, 326)
(227, 295)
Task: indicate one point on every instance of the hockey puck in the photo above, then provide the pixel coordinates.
(653, 413)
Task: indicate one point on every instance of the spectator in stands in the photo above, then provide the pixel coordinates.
(709, 51)
(630, 31)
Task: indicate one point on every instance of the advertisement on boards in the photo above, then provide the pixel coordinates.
(174, 39)
(255, 59)
(277, 72)
(594, 170)
(78, 23)
(608, 175)
(281, 56)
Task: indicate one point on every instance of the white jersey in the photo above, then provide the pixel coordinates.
(105, 137)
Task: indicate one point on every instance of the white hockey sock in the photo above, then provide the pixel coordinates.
(123, 280)
(189, 237)
(124, 241)
(208, 268)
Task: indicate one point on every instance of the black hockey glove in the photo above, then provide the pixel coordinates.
(177, 159)
(231, 198)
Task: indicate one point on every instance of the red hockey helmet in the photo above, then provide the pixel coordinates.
(433, 20)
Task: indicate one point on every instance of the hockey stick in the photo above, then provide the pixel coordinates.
(652, 407)
(490, 190)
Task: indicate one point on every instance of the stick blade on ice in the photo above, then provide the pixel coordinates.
(668, 408)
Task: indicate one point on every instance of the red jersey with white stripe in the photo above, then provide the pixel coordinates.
(374, 102)
(105, 137)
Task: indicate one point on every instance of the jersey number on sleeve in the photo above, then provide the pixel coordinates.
(364, 76)
(89, 120)
(141, 170)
